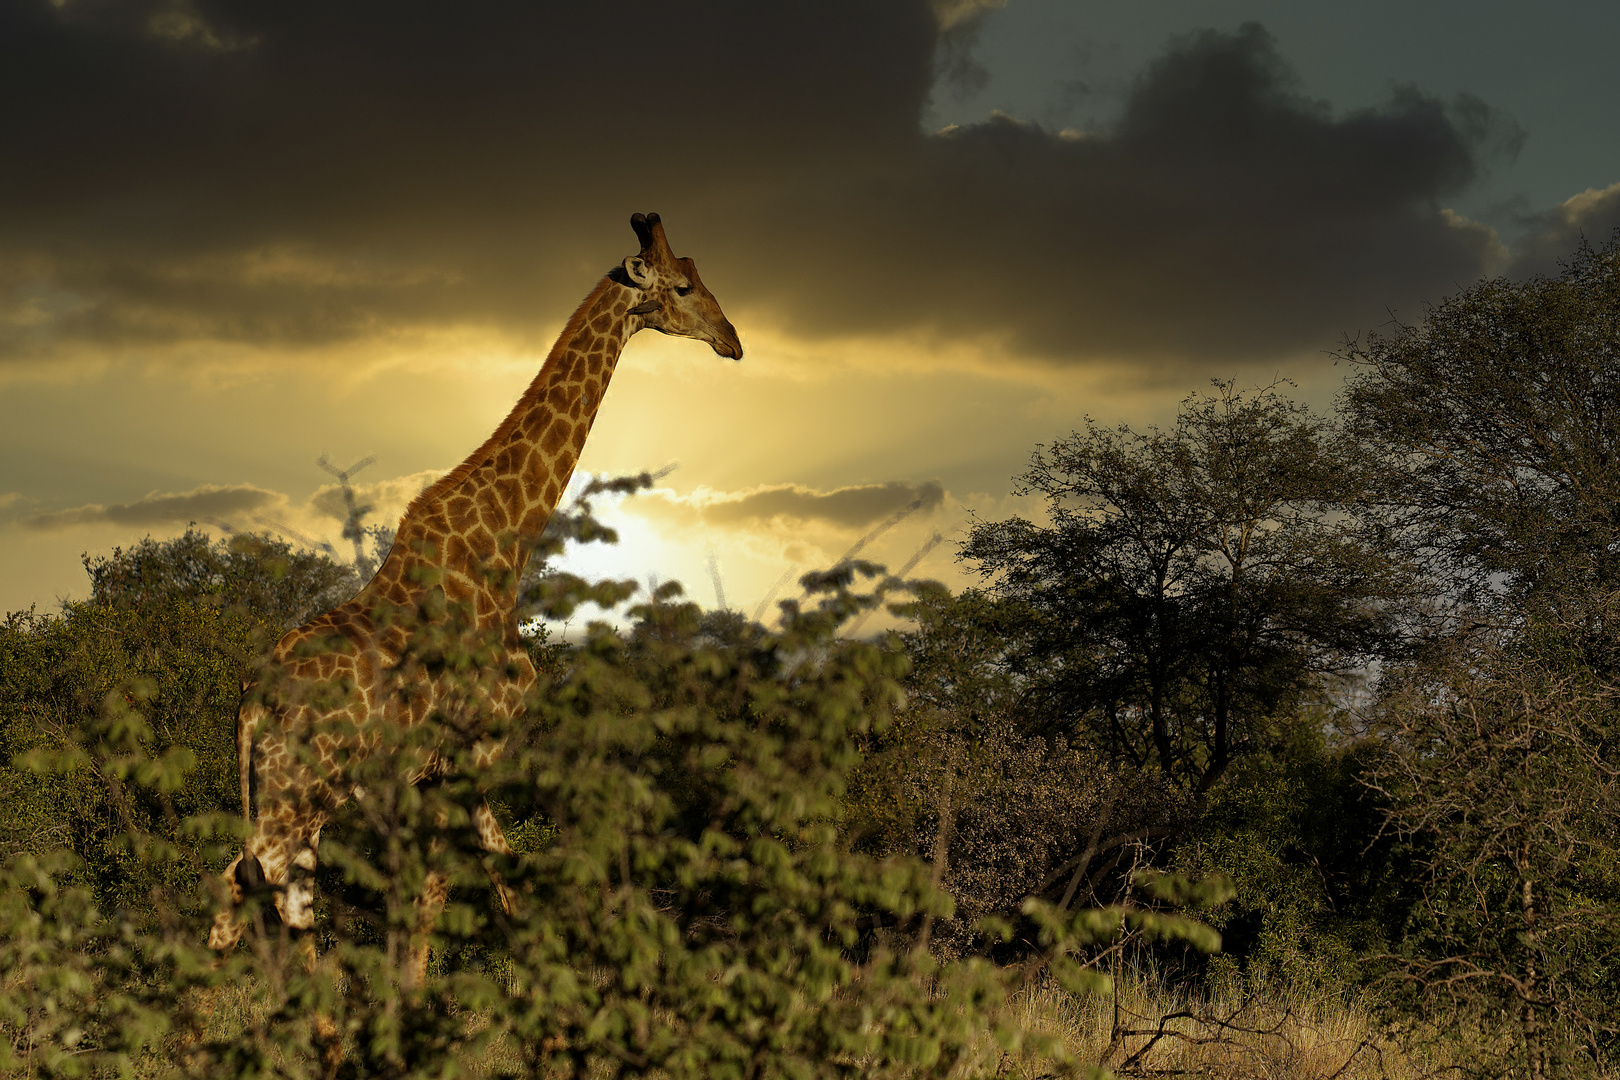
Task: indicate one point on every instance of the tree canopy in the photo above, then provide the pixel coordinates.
(1191, 583)
(1497, 422)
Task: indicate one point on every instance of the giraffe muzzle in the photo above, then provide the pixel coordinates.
(727, 343)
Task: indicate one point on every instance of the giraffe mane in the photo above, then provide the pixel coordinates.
(449, 481)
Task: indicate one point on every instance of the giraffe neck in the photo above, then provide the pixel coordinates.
(477, 524)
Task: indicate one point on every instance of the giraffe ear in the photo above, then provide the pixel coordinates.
(636, 268)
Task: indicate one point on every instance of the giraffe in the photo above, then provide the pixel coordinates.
(463, 541)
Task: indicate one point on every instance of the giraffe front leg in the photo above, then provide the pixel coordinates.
(279, 857)
(293, 854)
(227, 928)
(328, 1037)
(435, 891)
(493, 840)
(244, 876)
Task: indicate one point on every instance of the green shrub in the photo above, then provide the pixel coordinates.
(1318, 884)
(687, 909)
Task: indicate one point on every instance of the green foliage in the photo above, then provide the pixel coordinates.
(158, 655)
(1318, 887)
(75, 691)
(258, 577)
(60, 1001)
(684, 906)
(87, 992)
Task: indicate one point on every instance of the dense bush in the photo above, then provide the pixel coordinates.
(1497, 756)
(1002, 814)
(687, 907)
(1320, 883)
(258, 578)
(181, 664)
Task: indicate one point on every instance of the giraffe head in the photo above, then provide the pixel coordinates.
(673, 298)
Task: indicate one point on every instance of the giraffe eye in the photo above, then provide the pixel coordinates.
(682, 290)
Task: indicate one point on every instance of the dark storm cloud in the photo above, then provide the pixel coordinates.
(301, 172)
(847, 507)
(202, 502)
(422, 162)
(1225, 215)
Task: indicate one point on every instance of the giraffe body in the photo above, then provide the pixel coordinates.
(463, 542)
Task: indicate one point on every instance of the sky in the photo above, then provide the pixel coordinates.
(237, 235)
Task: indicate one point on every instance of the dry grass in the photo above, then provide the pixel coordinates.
(1141, 1030)
(1146, 1030)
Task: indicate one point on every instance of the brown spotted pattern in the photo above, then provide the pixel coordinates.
(464, 542)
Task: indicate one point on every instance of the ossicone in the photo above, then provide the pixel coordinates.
(649, 230)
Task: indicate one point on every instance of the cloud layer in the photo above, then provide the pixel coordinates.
(241, 507)
(1593, 215)
(845, 509)
(852, 507)
(303, 173)
(199, 504)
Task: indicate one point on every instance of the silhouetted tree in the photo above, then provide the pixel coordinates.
(1191, 584)
(1498, 761)
(1498, 423)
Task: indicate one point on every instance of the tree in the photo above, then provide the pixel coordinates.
(1498, 762)
(174, 624)
(1318, 887)
(1494, 427)
(265, 577)
(1002, 814)
(1192, 584)
(1498, 423)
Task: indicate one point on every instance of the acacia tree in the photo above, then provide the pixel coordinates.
(1191, 583)
(1494, 426)
(1498, 764)
(1498, 424)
